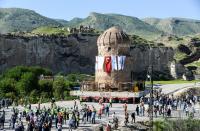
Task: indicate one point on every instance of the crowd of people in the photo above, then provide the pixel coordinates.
(45, 118)
(4, 103)
(164, 104)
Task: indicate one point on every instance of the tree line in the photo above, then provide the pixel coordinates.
(23, 84)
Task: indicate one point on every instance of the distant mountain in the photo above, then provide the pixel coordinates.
(61, 21)
(16, 19)
(131, 25)
(175, 26)
(75, 22)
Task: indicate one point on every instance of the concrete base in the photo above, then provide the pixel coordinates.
(118, 97)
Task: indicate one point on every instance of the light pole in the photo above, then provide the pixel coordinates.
(150, 77)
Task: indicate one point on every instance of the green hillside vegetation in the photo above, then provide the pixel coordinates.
(24, 20)
(16, 19)
(131, 25)
(173, 41)
(175, 26)
(61, 21)
(75, 22)
(138, 40)
(46, 30)
(179, 55)
(195, 63)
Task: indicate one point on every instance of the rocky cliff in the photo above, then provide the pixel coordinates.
(159, 57)
(60, 54)
(74, 53)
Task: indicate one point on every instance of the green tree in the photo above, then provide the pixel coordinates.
(46, 86)
(15, 72)
(59, 87)
(27, 83)
(7, 88)
(39, 70)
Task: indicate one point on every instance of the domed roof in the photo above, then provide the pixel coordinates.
(113, 35)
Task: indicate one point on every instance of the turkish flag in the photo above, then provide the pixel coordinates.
(107, 64)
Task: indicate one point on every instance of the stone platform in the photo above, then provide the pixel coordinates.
(118, 97)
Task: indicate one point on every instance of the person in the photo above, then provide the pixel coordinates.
(2, 119)
(52, 102)
(13, 119)
(70, 124)
(186, 111)
(30, 126)
(45, 126)
(155, 111)
(20, 126)
(59, 126)
(93, 115)
(133, 117)
(103, 108)
(74, 103)
(107, 110)
(137, 110)
(56, 121)
(126, 119)
(140, 110)
(84, 116)
(88, 115)
(113, 115)
(65, 116)
(101, 101)
(110, 101)
(20, 116)
(99, 113)
(77, 118)
(115, 122)
(125, 107)
(169, 112)
(108, 127)
(81, 100)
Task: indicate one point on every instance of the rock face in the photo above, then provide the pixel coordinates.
(192, 51)
(159, 57)
(60, 54)
(75, 53)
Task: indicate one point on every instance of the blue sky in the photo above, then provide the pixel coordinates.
(68, 9)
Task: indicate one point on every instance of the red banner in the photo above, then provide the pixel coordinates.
(107, 64)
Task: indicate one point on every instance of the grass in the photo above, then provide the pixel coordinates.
(195, 63)
(51, 31)
(177, 125)
(173, 82)
(179, 55)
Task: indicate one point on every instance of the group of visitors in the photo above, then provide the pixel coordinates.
(5, 103)
(164, 104)
(43, 119)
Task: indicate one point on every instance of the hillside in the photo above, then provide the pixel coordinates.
(131, 25)
(175, 26)
(16, 19)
